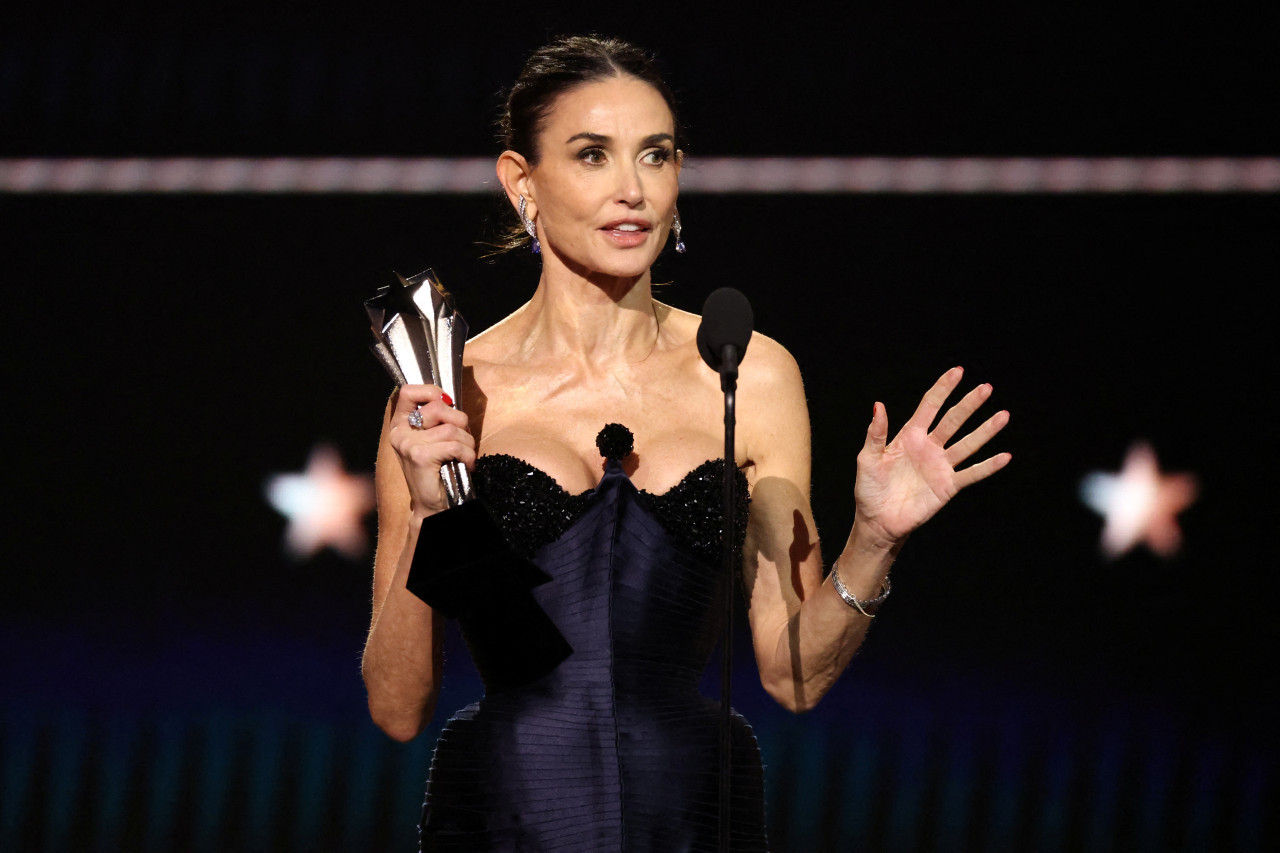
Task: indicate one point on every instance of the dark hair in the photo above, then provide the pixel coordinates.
(551, 71)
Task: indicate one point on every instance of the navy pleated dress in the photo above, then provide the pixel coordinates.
(615, 749)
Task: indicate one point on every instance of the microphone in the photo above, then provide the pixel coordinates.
(723, 336)
(724, 333)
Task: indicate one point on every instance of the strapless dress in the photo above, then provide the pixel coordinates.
(615, 749)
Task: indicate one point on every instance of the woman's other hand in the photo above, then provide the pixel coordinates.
(903, 483)
(442, 436)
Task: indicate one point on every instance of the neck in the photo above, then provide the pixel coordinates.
(592, 317)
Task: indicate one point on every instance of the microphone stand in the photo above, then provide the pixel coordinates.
(729, 385)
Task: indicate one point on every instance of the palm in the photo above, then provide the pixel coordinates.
(903, 483)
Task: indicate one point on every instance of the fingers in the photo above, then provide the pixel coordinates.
(437, 434)
(433, 413)
(934, 398)
(431, 403)
(409, 397)
(952, 422)
(973, 442)
(422, 453)
(960, 412)
(430, 448)
(981, 470)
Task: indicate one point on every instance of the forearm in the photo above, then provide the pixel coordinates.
(824, 632)
(402, 656)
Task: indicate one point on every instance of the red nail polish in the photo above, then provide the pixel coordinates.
(445, 397)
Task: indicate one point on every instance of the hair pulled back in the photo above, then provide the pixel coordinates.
(551, 71)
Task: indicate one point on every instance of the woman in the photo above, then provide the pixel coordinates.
(614, 749)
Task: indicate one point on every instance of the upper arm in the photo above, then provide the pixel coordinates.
(782, 564)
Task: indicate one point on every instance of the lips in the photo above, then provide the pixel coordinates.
(627, 233)
(627, 225)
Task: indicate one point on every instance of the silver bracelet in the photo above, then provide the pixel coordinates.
(867, 608)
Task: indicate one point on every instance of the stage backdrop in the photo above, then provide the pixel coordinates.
(174, 679)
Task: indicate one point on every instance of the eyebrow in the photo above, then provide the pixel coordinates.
(651, 139)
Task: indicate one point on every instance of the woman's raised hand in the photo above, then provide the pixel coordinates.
(441, 435)
(902, 484)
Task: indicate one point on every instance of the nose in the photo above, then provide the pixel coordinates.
(630, 186)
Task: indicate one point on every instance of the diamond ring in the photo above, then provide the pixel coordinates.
(415, 419)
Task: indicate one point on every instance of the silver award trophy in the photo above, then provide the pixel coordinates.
(468, 572)
(418, 336)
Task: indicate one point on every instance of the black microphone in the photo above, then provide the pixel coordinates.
(723, 336)
(724, 333)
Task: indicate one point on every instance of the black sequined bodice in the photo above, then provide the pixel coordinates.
(533, 509)
(614, 749)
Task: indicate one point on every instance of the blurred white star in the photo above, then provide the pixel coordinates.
(1140, 505)
(325, 506)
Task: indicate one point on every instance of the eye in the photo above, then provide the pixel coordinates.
(656, 156)
(594, 156)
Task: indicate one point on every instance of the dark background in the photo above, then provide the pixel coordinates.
(171, 680)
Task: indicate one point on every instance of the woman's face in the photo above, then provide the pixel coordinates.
(605, 185)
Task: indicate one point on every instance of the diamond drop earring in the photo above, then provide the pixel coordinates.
(676, 228)
(530, 230)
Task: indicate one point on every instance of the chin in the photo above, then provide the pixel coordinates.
(633, 270)
(625, 267)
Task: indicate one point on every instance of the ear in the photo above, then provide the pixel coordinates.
(513, 173)
(679, 161)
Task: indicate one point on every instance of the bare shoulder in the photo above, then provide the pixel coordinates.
(768, 371)
(773, 417)
(771, 405)
(769, 375)
(769, 360)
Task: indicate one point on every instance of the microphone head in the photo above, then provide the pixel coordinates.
(726, 320)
